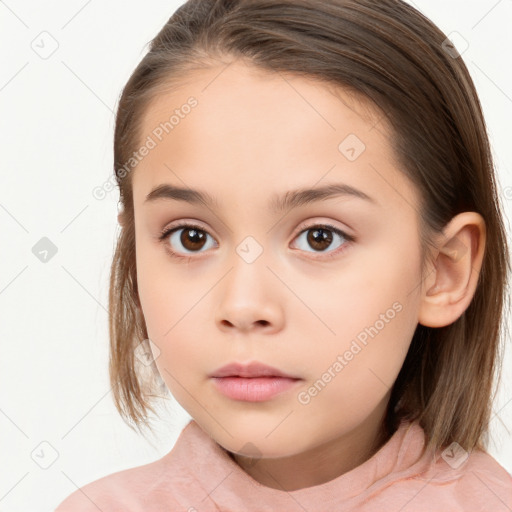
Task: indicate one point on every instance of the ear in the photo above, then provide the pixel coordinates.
(451, 284)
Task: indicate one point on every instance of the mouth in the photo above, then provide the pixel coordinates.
(255, 389)
(250, 370)
(254, 382)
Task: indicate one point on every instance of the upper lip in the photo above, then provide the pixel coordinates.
(252, 369)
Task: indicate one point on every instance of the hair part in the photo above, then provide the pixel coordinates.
(390, 54)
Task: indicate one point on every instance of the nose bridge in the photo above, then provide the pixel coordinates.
(251, 249)
(248, 294)
(255, 250)
(248, 264)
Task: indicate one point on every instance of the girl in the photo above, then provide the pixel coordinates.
(312, 261)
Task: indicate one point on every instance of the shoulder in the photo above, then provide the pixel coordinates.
(474, 481)
(155, 486)
(129, 489)
(450, 479)
(486, 477)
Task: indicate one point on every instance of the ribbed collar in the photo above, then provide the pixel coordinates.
(228, 486)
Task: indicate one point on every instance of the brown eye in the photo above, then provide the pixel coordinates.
(192, 239)
(185, 239)
(321, 237)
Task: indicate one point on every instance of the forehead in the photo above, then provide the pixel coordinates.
(255, 132)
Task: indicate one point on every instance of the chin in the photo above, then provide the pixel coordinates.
(257, 445)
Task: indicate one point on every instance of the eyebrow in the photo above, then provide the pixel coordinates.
(277, 204)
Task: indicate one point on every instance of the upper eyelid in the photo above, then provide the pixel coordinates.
(302, 226)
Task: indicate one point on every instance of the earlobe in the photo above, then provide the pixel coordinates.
(450, 287)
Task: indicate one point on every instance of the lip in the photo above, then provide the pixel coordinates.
(250, 370)
(255, 389)
(252, 382)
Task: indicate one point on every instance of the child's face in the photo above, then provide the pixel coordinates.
(267, 286)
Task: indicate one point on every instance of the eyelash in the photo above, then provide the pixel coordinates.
(166, 232)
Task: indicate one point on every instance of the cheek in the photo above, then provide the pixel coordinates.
(365, 295)
(360, 371)
(173, 307)
(374, 319)
(172, 324)
(388, 316)
(165, 295)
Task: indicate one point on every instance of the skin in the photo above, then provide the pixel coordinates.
(254, 134)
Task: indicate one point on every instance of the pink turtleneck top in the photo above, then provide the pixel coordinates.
(198, 475)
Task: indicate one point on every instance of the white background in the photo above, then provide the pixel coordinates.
(57, 124)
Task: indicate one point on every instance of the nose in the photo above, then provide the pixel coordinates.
(249, 299)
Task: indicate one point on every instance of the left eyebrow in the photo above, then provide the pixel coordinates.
(277, 204)
(300, 197)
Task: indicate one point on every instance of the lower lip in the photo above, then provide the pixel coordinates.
(257, 389)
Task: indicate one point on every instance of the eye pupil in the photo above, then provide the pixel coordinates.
(192, 239)
(319, 236)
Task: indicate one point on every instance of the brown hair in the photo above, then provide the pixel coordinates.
(392, 55)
